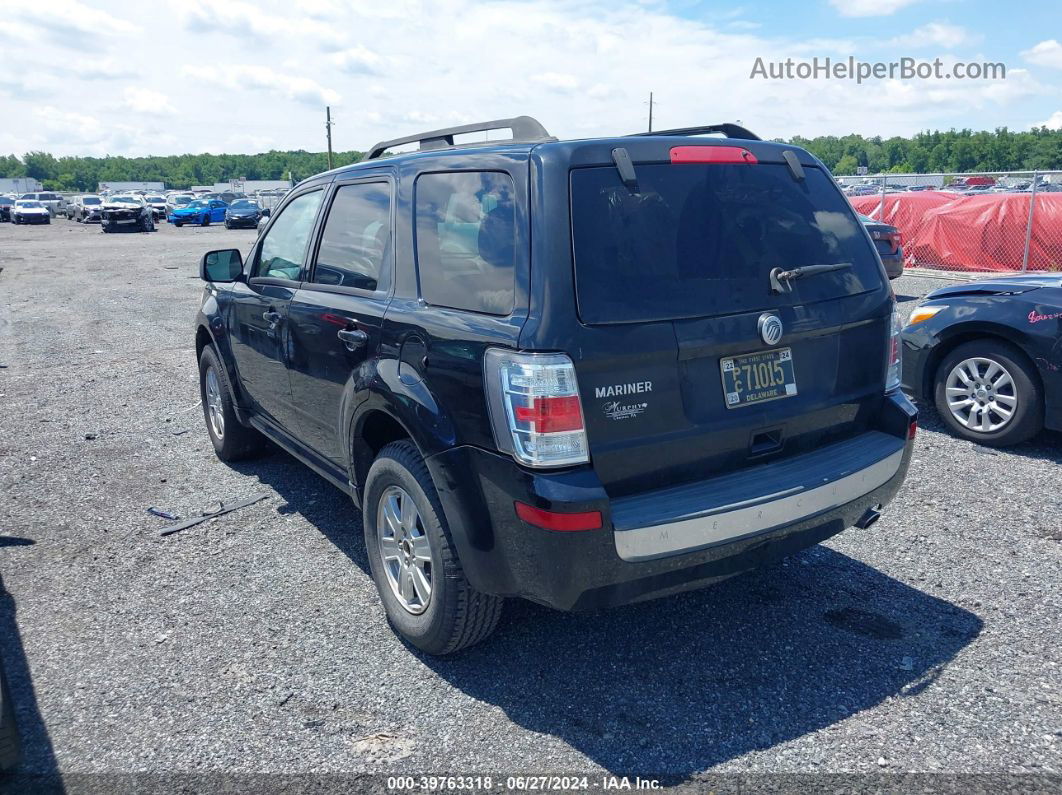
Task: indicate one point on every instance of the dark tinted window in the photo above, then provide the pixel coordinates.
(90, 200)
(466, 232)
(48, 197)
(357, 238)
(699, 240)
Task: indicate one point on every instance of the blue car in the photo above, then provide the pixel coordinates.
(200, 211)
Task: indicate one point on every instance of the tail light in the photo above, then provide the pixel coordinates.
(893, 356)
(534, 407)
(895, 240)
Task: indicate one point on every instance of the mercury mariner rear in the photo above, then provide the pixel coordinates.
(708, 378)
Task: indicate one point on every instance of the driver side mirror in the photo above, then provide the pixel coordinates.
(225, 265)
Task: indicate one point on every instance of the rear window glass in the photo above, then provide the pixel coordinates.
(90, 200)
(698, 240)
(466, 230)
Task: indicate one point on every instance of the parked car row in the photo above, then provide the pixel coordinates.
(140, 211)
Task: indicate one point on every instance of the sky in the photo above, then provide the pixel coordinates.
(89, 78)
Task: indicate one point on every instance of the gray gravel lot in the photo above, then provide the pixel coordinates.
(255, 642)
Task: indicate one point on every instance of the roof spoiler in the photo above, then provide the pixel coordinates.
(525, 130)
(727, 129)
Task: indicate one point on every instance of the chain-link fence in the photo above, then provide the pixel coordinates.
(1000, 221)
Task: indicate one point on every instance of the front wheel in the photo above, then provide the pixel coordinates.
(205, 221)
(232, 439)
(413, 560)
(178, 224)
(987, 391)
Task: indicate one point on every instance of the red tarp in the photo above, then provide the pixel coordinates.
(979, 232)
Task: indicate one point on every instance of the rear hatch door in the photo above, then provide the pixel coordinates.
(680, 379)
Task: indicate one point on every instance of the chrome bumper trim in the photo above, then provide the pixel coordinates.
(732, 521)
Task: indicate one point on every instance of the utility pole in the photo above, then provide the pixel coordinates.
(650, 103)
(328, 132)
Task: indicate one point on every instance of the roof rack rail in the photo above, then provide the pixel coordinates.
(727, 129)
(525, 130)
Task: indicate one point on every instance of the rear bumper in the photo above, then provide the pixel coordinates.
(663, 542)
(893, 264)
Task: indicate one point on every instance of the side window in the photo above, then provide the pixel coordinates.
(466, 233)
(357, 238)
(283, 250)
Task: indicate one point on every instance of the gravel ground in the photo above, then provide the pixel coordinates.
(255, 642)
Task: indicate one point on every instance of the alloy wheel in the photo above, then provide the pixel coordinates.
(404, 549)
(215, 407)
(981, 395)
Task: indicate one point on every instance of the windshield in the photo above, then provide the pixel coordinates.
(5, 201)
(696, 240)
(90, 200)
(243, 204)
(155, 199)
(27, 203)
(124, 200)
(181, 199)
(199, 203)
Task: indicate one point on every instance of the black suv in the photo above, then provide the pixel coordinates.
(583, 373)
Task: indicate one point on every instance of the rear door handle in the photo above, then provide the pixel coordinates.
(271, 317)
(353, 338)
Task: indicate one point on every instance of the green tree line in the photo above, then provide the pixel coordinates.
(927, 152)
(177, 171)
(935, 152)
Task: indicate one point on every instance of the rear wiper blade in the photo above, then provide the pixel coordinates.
(782, 280)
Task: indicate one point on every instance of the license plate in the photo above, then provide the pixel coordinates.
(758, 377)
(126, 221)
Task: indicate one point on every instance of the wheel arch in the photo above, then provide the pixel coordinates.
(205, 336)
(372, 429)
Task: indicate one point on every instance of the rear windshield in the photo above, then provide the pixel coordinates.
(696, 240)
(90, 200)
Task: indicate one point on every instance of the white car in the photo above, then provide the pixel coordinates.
(157, 204)
(30, 211)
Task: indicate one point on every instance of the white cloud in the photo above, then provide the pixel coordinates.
(1046, 53)
(936, 34)
(556, 81)
(1053, 123)
(243, 19)
(69, 23)
(145, 100)
(870, 8)
(357, 60)
(103, 69)
(262, 78)
(250, 73)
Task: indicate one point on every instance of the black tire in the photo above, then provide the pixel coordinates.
(228, 225)
(236, 441)
(205, 221)
(145, 225)
(456, 616)
(178, 224)
(1028, 416)
(108, 227)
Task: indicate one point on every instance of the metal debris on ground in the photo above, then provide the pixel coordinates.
(163, 514)
(222, 509)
